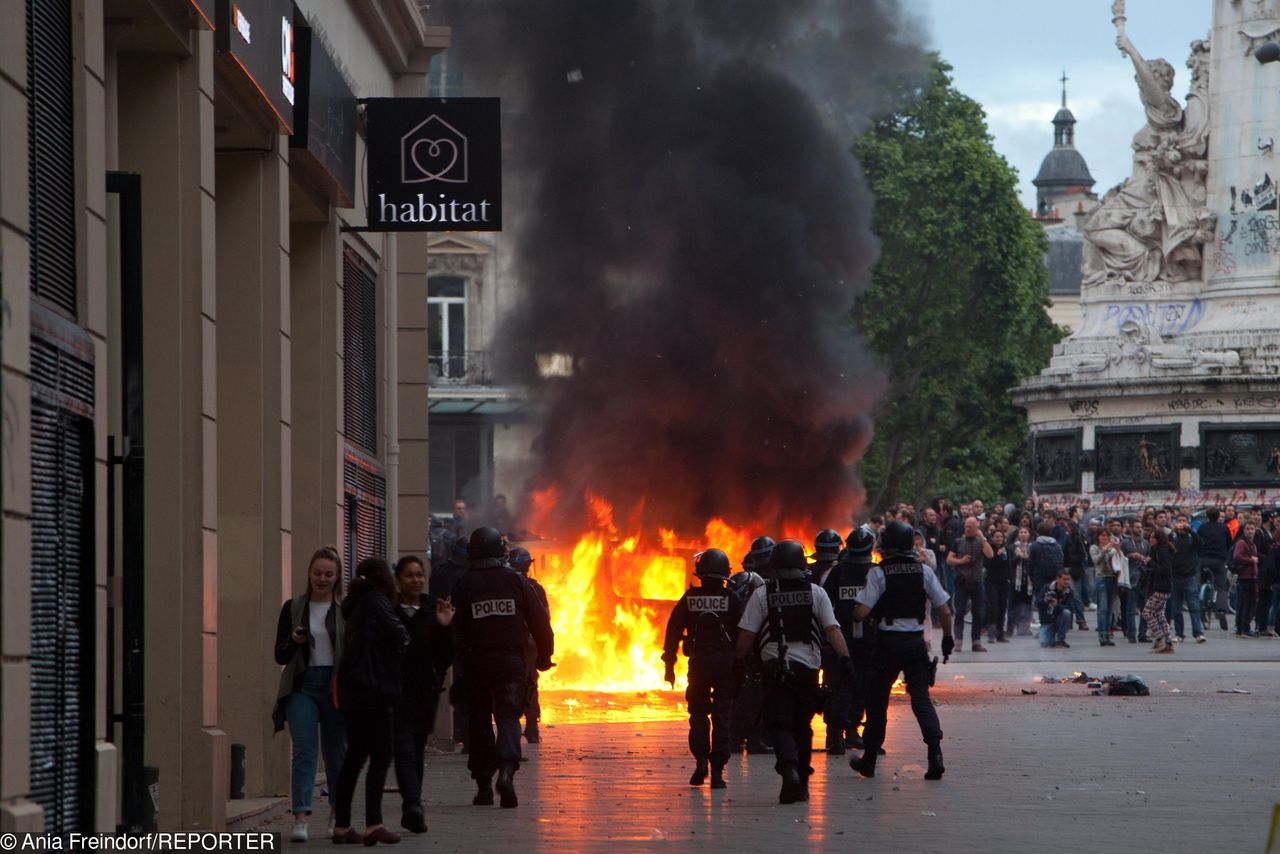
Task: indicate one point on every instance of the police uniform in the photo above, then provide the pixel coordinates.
(497, 611)
(532, 707)
(896, 591)
(706, 617)
(796, 612)
(848, 698)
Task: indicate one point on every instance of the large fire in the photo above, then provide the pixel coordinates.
(611, 593)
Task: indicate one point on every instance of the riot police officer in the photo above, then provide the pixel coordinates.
(847, 700)
(497, 611)
(746, 730)
(785, 622)
(519, 559)
(896, 592)
(706, 618)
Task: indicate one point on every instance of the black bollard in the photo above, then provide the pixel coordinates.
(237, 772)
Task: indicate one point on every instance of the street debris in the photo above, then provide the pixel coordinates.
(1233, 691)
(1029, 692)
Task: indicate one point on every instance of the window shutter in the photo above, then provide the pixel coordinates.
(364, 487)
(360, 352)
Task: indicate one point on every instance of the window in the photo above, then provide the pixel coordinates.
(360, 352)
(447, 326)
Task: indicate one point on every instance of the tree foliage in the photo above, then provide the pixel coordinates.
(956, 310)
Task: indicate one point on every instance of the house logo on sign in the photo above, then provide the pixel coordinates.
(433, 151)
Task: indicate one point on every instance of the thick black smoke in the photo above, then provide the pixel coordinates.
(691, 232)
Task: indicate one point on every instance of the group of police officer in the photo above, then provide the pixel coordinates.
(757, 643)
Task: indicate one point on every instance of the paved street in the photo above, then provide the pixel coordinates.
(1186, 769)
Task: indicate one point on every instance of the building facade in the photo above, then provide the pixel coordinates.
(201, 381)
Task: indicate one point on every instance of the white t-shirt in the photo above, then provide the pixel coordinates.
(755, 619)
(321, 643)
(870, 595)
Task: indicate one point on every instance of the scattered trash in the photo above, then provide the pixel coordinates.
(1164, 682)
(1232, 691)
(1037, 679)
(1094, 683)
(912, 772)
(574, 76)
(957, 677)
(1175, 690)
(1079, 678)
(1126, 686)
(934, 814)
(1029, 691)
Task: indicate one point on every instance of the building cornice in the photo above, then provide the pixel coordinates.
(403, 38)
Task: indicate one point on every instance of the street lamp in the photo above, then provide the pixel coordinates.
(1269, 52)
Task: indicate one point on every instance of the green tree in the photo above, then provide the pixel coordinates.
(956, 308)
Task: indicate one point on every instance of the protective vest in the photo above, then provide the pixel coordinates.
(790, 611)
(709, 619)
(904, 595)
(491, 600)
(843, 585)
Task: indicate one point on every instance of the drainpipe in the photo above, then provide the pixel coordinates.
(392, 268)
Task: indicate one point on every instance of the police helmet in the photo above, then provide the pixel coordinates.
(859, 546)
(711, 563)
(519, 558)
(458, 553)
(898, 538)
(826, 546)
(486, 543)
(758, 558)
(787, 554)
(749, 581)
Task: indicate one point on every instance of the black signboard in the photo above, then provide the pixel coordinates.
(1055, 461)
(1240, 455)
(1128, 458)
(259, 36)
(324, 116)
(434, 164)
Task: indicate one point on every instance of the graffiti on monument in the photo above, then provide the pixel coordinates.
(1240, 454)
(1136, 459)
(1193, 498)
(1165, 318)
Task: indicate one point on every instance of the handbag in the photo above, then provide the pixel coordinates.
(1122, 573)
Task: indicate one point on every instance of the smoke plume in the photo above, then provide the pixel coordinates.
(691, 233)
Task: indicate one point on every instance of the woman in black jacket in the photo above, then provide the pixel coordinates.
(309, 643)
(429, 655)
(1160, 586)
(998, 588)
(368, 687)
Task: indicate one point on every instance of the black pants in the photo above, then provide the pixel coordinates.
(410, 750)
(848, 698)
(1248, 592)
(368, 738)
(494, 688)
(905, 653)
(710, 699)
(789, 707)
(744, 718)
(997, 608)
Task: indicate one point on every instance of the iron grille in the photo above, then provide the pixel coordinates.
(51, 154)
(364, 487)
(360, 352)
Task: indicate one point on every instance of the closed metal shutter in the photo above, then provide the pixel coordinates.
(62, 599)
(364, 487)
(360, 352)
(51, 153)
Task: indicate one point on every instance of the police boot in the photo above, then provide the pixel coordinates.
(531, 733)
(835, 744)
(936, 769)
(792, 787)
(506, 785)
(699, 774)
(484, 793)
(717, 776)
(865, 764)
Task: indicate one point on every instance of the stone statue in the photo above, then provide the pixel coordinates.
(1154, 225)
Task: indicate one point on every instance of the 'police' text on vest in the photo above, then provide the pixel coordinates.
(715, 604)
(790, 598)
(493, 608)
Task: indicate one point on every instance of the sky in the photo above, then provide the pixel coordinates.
(1009, 55)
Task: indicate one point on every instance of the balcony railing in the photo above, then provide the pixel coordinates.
(472, 367)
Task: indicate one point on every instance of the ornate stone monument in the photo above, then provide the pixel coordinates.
(1169, 392)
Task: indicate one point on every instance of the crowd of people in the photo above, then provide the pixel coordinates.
(363, 670)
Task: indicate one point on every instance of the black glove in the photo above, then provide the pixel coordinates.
(544, 663)
(948, 647)
(669, 675)
(846, 669)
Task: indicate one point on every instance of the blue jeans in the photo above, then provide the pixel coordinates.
(1129, 612)
(1104, 588)
(1186, 593)
(1056, 632)
(313, 721)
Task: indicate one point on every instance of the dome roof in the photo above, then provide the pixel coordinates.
(1063, 166)
(1064, 116)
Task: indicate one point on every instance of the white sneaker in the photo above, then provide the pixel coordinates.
(299, 832)
(1201, 638)
(1091, 607)
(333, 822)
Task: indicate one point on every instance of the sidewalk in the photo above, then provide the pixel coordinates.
(1186, 769)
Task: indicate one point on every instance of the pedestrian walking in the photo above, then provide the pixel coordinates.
(1159, 587)
(998, 588)
(368, 687)
(1215, 551)
(309, 642)
(422, 672)
(968, 555)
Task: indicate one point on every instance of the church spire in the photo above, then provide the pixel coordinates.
(1064, 88)
(1064, 122)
